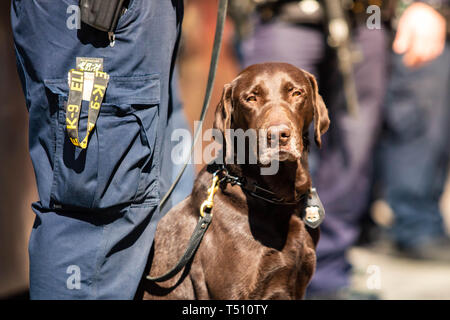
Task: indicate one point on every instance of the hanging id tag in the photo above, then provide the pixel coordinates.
(88, 82)
(314, 210)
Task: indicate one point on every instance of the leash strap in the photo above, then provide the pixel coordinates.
(205, 218)
(199, 231)
(196, 238)
(221, 16)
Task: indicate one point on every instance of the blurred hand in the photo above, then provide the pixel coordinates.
(420, 35)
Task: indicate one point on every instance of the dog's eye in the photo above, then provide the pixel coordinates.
(251, 98)
(297, 93)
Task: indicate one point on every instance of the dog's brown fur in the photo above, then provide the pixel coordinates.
(252, 250)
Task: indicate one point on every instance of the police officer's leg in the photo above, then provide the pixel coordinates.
(98, 250)
(343, 178)
(415, 148)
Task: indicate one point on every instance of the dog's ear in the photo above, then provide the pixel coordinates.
(222, 120)
(321, 119)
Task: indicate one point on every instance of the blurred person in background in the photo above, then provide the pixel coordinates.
(296, 32)
(415, 145)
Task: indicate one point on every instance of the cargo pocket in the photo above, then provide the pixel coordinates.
(110, 170)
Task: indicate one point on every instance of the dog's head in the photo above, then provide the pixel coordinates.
(279, 102)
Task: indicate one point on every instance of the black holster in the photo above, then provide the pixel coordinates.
(101, 14)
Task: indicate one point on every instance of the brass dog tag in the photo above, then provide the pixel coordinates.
(314, 210)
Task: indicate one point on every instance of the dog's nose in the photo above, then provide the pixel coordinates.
(281, 132)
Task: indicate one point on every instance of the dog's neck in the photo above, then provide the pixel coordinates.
(269, 223)
(291, 181)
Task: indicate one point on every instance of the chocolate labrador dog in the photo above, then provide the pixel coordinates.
(257, 246)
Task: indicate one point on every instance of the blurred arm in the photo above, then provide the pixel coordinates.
(421, 34)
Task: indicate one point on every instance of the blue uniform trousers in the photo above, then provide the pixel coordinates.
(97, 209)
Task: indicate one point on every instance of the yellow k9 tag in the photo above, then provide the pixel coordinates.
(89, 83)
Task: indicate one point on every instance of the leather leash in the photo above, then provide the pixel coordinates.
(220, 25)
(197, 236)
(206, 216)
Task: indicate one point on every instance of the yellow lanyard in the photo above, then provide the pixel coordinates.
(73, 107)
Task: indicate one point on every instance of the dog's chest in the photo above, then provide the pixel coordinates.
(279, 270)
(272, 273)
(258, 261)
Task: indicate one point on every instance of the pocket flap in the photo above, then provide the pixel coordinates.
(143, 89)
